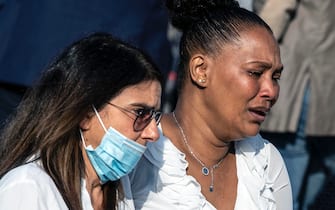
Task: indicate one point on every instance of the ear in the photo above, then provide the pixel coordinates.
(85, 124)
(198, 70)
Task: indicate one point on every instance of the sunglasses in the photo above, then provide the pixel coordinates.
(143, 116)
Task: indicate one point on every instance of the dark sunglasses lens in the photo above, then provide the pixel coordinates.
(143, 119)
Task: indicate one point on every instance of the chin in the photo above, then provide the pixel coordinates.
(241, 136)
(250, 131)
(243, 132)
(253, 132)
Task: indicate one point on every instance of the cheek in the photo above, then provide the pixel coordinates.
(233, 90)
(244, 90)
(232, 98)
(126, 129)
(93, 135)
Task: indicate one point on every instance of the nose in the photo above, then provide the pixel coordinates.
(151, 132)
(270, 90)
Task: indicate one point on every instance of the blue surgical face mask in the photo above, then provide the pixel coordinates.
(115, 156)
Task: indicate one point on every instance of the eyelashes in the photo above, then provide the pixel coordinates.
(257, 74)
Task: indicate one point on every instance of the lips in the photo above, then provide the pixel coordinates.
(258, 114)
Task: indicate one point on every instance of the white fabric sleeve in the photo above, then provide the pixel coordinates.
(20, 196)
(29, 187)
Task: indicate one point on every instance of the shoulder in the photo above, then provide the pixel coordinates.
(255, 146)
(29, 185)
(159, 181)
(258, 152)
(261, 173)
(31, 173)
(161, 160)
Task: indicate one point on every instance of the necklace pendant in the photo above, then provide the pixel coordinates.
(211, 188)
(205, 171)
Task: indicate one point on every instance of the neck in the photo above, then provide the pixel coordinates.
(201, 145)
(207, 165)
(91, 177)
(93, 185)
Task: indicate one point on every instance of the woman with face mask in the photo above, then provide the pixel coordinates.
(81, 128)
(210, 155)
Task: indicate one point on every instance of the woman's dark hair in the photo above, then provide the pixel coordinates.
(91, 71)
(208, 25)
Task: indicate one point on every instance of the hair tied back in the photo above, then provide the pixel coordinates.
(184, 13)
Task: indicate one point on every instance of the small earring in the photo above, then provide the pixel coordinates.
(202, 80)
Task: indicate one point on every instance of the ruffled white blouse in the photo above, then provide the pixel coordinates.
(160, 181)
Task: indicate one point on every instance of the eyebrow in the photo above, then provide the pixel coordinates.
(266, 65)
(143, 105)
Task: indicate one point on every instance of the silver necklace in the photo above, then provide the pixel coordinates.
(204, 170)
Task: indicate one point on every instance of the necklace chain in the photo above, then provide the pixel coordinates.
(205, 171)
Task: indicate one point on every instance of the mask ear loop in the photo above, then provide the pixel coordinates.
(82, 137)
(84, 144)
(99, 118)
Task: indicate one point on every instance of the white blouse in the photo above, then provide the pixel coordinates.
(160, 181)
(30, 187)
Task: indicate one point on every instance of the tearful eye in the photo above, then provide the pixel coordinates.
(276, 76)
(140, 112)
(143, 116)
(255, 73)
(144, 113)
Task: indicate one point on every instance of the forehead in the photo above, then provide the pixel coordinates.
(147, 92)
(254, 43)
